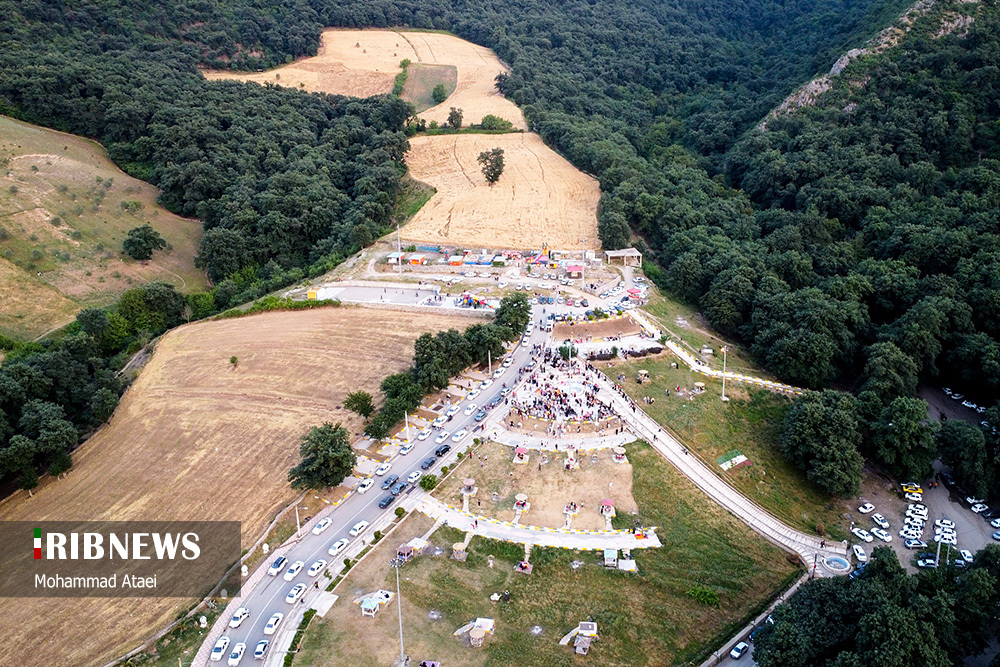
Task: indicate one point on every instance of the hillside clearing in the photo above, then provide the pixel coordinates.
(540, 198)
(65, 209)
(196, 439)
(421, 80)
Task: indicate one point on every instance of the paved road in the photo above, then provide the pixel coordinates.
(264, 596)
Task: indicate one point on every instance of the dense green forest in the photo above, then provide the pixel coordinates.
(934, 619)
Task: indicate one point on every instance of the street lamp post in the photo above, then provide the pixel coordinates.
(403, 660)
(725, 349)
(298, 526)
(583, 264)
(399, 249)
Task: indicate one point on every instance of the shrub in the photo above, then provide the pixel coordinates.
(705, 595)
(400, 512)
(428, 482)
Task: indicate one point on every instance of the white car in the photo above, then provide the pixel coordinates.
(915, 497)
(966, 555)
(486, 384)
(440, 421)
(453, 410)
(241, 615)
(459, 435)
(880, 520)
(974, 501)
(502, 284)
(424, 434)
(383, 469)
(277, 566)
(294, 570)
(273, 623)
(979, 508)
(866, 508)
(739, 650)
(500, 371)
(881, 534)
(261, 650)
(995, 522)
(861, 534)
(414, 477)
(442, 436)
(469, 409)
(358, 528)
(946, 539)
(365, 484)
(219, 649)
(296, 593)
(316, 568)
(508, 361)
(910, 534)
(407, 448)
(945, 523)
(237, 654)
(917, 507)
(322, 525)
(859, 553)
(338, 546)
(472, 394)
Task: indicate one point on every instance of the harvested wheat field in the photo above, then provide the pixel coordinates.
(195, 438)
(64, 210)
(540, 198)
(365, 62)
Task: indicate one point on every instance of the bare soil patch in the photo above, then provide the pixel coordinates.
(62, 208)
(540, 198)
(621, 326)
(548, 489)
(196, 439)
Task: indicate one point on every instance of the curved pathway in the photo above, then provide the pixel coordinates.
(809, 547)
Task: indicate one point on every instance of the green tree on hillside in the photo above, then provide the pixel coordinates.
(491, 122)
(514, 313)
(455, 118)
(140, 242)
(492, 162)
(902, 438)
(327, 458)
(439, 94)
(360, 402)
(821, 436)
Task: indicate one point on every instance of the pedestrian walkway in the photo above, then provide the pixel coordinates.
(563, 442)
(537, 535)
(698, 366)
(812, 549)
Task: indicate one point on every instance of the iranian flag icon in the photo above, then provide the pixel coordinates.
(38, 543)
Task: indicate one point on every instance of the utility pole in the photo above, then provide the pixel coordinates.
(406, 423)
(583, 264)
(399, 249)
(489, 362)
(403, 660)
(298, 526)
(725, 348)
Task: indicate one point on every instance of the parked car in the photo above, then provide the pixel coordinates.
(389, 481)
(408, 447)
(365, 484)
(915, 497)
(472, 394)
(383, 469)
(338, 546)
(444, 449)
(861, 534)
(469, 409)
(442, 436)
(322, 525)
(414, 477)
(915, 544)
(358, 528)
(219, 649)
(979, 508)
(397, 488)
(866, 508)
(945, 523)
(237, 654)
(277, 566)
(295, 593)
(239, 616)
(881, 534)
(480, 416)
(440, 421)
(926, 562)
(261, 650)
(996, 535)
(739, 650)
(966, 555)
(428, 464)
(453, 410)
(316, 568)
(880, 520)
(385, 502)
(424, 434)
(859, 553)
(294, 570)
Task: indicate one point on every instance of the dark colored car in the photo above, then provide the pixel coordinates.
(396, 490)
(480, 416)
(442, 450)
(385, 502)
(428, 464)
(389, 481)
(584, 303)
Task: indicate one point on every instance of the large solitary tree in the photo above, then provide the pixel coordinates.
(492, 162)
(140, 242)
(455, 118)
(327, 458)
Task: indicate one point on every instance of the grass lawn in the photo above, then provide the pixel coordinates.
(750, 422)
(643, 619)
(421, 79)
(413, 194)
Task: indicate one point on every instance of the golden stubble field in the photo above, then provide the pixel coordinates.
(366, 62)
(196, 439)
(540, 198)
(63, 222)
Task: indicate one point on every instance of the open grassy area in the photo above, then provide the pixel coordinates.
(413, 194)
(643, 619)
(64, 210)
(750, 422)
(421, 80)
